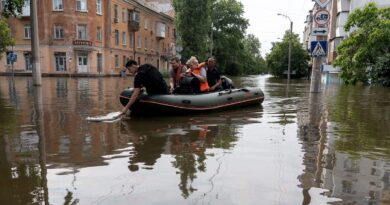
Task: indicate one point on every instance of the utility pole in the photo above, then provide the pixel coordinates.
(36, 65)
(289, 47)
(289, 53)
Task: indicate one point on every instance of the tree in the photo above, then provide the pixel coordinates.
(193, 26)
(10, 8)
(277, 59)
(253, 62)
(229, 27)
(364, 55)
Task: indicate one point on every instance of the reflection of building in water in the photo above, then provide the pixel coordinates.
(357, 179)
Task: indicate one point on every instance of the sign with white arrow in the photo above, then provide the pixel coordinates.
(322, 3)
(320, 31)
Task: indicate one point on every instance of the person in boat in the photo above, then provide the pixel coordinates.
(146, 76)
(213, 76)
(176, 72)
(198, 71)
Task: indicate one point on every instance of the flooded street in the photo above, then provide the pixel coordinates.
(297, 148)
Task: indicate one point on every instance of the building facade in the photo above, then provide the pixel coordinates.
(339, 11)
(91, 37)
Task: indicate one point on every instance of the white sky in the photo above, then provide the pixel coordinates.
(268, 26)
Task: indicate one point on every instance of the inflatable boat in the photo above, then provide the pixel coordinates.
(179, 104)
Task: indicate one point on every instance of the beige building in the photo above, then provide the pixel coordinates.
(91, 37)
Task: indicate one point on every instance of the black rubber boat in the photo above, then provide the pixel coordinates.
(179, 104)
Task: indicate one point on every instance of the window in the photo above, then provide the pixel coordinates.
(27, 31)
(146, 43)
(124, 38)
(99, 34)
(28, 61)
(124, 61)
(115, 13)
(81, 5)
(82, 32)
(116, 61)
(58, 31)
(116, 36)
(60, 60)
(124, 15)
(151, 25)
(131, 36)
(99, 6)
(146, 23)
(151, 43)
(139, 41)
(57, 5)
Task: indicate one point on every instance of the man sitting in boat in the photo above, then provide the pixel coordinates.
(213, 76)
(197, 70)
(145, 76)
(176, 72)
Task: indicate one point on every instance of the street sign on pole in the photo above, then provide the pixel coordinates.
(322, 3)
(318, 48)
(321, 17)
(320, 31)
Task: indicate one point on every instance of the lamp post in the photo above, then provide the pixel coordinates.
(289, 46)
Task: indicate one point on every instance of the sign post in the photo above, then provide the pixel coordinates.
(318, 48)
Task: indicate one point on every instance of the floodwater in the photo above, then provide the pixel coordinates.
(297, 148)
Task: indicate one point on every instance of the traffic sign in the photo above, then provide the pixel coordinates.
(322, 16)
(318, 48)
(320, 31)
(322, 3)
(11, 57)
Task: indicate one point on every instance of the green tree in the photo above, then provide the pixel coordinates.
(277, 59)
(193, 26)
(253, 62)
(229, 27)
(364, 55)
(11, 8)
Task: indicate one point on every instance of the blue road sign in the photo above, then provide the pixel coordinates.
(319, 48)
(12, 57)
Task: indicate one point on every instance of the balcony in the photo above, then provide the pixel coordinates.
(83, 45)
(133, 22)
(133, 26)
(160, 31)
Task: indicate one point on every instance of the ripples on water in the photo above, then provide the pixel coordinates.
(297, 148)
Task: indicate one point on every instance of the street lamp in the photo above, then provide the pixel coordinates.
(289, 45)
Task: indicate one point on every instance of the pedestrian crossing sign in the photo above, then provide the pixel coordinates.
(318, 48)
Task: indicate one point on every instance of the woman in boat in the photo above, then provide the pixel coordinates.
(197, 70)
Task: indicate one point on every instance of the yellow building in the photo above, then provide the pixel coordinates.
(91, 37)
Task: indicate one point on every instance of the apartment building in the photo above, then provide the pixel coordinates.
(339, 11)
(91, 37)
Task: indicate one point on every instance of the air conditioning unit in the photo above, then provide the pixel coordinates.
(116, 20)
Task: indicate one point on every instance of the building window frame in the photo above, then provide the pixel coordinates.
(27, 31)
(146, 23)
(58, 5)
(58, 31)
(116, 15)
(99, 7)
(60, 59)
(116, 37)
(124, 15)
(99, 34)
(116, 60)
(82, 32)
(146, 43)
(82, 5)
(124, 41)
(139, 42)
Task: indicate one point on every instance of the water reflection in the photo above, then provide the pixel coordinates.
(186, 138)
(310, 149)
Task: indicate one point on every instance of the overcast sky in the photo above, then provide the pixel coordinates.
(268, 26)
